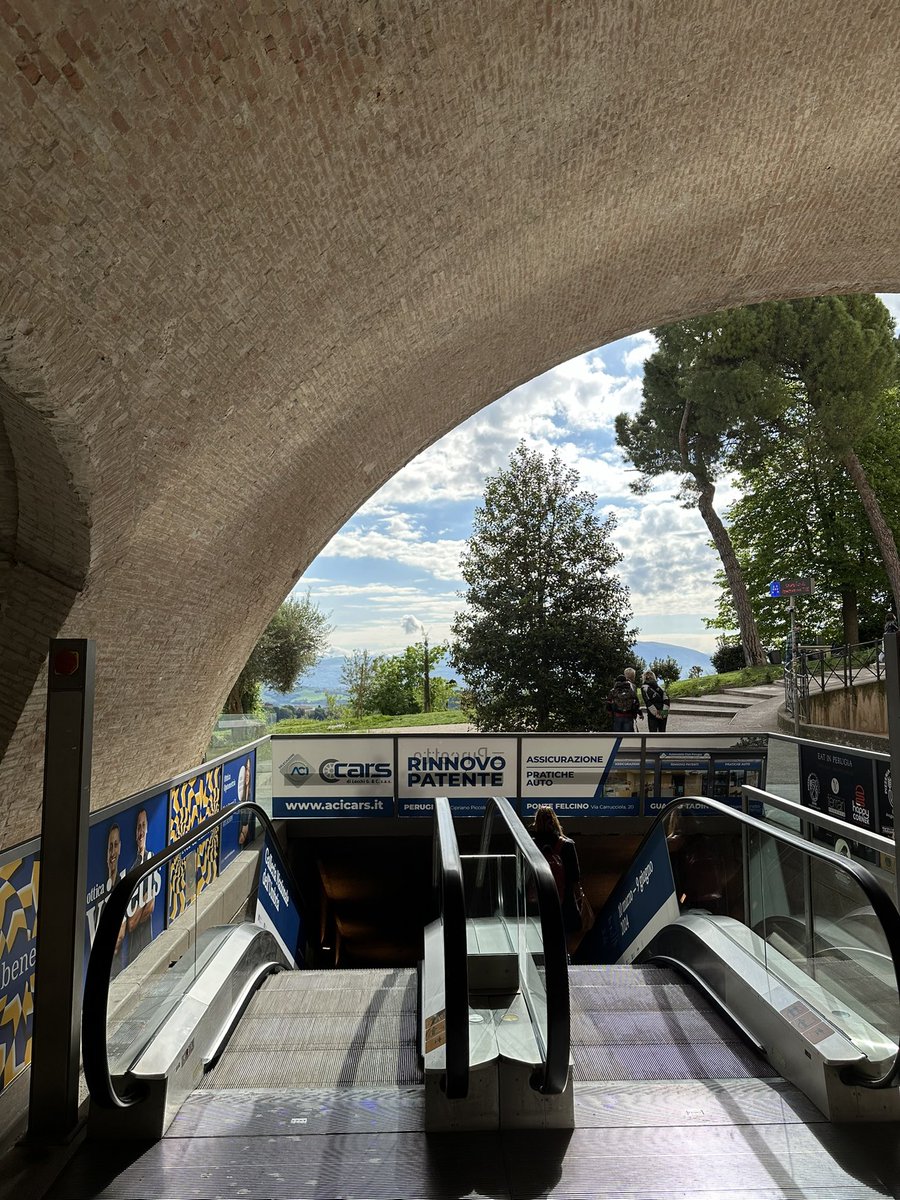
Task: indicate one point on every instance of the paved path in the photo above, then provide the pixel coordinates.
(754, 711)
(740, 710)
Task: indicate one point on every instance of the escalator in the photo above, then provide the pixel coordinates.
(730, 949)
(720, 1018)
(239, 1011)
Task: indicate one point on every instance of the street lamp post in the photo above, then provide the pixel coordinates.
(426, 692)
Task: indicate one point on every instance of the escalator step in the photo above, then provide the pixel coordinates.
(317, 1031)
(354, 1066)
(662, 998)
(270, 1001)
(666, 1061)
(649, 1028)
(621, 975)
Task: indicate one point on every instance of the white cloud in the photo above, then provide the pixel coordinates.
(401, 543)
(893, 306)
(413, 627)
(640, 347)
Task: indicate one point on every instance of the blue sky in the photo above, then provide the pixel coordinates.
(393, 570)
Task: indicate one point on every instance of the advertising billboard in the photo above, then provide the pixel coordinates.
(839, 783)
(190, 803)
(580, 776)
(276, 906)
(117, 846)
(467, 768)
(238, 785)
(681, 773)
(19, 879)
(332, 777)
(641, 903)
(885, 798)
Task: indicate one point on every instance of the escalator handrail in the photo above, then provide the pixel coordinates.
(553, 938)
(95, 1058)
(448, 878)
(881, 903)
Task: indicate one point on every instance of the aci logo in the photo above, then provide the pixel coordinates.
(295, 770)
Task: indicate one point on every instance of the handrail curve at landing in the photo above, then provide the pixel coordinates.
(448, 878)
(881, 903)
(95, 1059)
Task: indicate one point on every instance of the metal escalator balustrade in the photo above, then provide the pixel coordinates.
(495, 1036)
(799, 945)
(448, 881)
(535, 928)
(149, 1028)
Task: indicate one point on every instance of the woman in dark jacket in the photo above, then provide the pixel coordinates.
(653, 695)
(562, 856)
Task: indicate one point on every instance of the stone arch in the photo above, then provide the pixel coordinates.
(273, 251)
(44, 534)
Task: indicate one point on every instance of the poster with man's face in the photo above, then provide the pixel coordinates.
(117, 846)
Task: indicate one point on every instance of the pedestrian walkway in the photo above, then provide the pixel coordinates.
(736, 710)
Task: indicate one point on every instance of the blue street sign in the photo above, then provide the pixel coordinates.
(791, 587)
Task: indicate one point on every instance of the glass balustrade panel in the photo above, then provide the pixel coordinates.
(818, 935)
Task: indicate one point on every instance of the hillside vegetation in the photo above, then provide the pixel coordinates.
(704, 686)
(371, 722)
(708, 684)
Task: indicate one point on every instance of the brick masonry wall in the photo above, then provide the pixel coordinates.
(259, 255)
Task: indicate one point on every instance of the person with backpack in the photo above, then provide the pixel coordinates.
(623, 704)
(562, 857)
(653, 693)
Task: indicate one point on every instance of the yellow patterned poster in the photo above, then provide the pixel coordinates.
(190, 803)
(18, 945)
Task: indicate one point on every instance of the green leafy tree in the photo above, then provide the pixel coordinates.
(545, 628)
(839, 352)
(399, 680)
(800, 515)
(666, 668)
(695, 401)
(357, 681)
(292, 643)
(719, 393)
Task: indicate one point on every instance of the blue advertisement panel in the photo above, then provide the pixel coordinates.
(276, 907)
(116, 847)
(640, 904)
(317, 777)
(885, 798)
(190, 803)
(238, 786)
(19, 897)
(839, 783)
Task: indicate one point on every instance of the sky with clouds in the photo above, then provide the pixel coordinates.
(393, 570)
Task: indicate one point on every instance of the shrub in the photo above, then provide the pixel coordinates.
(728, 656)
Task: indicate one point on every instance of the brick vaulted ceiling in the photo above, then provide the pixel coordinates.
(254, 256)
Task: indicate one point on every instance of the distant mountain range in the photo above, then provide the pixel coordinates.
(326, 677)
